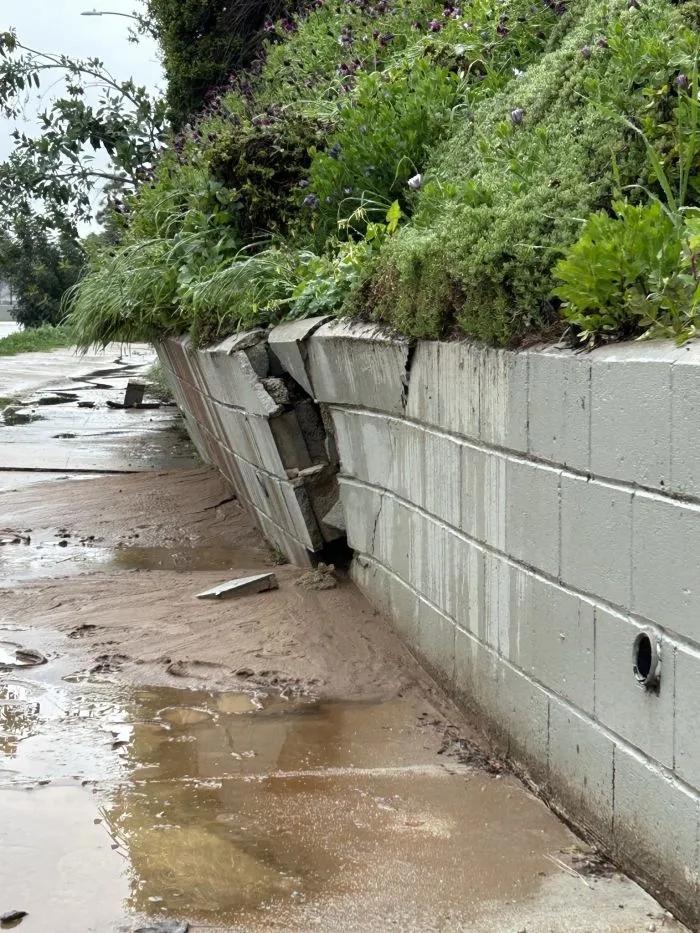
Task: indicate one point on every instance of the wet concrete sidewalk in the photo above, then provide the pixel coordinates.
(271, 763)
(45, 428)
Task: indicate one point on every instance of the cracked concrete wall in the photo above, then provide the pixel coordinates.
(522, 518)
(250, 426)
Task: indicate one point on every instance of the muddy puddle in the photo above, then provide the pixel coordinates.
(48, 554)
(257, 810)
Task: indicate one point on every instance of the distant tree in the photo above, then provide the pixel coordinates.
(57, 168)
(40, 265)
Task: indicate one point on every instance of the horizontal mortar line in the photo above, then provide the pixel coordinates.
(519, 455)
(674, 638)
(596, 724)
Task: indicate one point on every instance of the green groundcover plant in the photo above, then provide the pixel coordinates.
(502, 170)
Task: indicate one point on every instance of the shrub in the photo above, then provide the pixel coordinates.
(511, 188)
(622, 271)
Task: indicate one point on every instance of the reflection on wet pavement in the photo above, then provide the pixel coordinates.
(51, 430)
(48, 555)
(254, 810)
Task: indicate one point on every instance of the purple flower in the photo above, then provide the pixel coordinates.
(516, 116)
(304, 183)
(434, 26)
(311, 201)
(602, 43)
(586, 52)
(682, 82)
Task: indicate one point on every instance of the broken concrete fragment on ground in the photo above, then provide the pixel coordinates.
(12, 917)
(245, 586)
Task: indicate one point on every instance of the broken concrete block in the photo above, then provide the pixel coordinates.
(335, 518)
(245, 586)
(287, 345)
(361, 365)
(290, 441)
(133, 397)
(277, 390)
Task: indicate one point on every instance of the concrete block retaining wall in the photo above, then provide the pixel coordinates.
(522, 517)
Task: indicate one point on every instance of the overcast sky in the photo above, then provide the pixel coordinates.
(56, 26)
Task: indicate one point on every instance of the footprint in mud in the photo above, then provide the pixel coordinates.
(83, 630)
(14, 656)
(199, 670)
(109, 663)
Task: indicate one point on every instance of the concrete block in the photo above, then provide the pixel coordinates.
(407, 461)
(532, 514)
(261, 438)
(631, 421)
(364, 446)
(656, 828)
(196, 436)
(486, 512)
(288, 344)
(464, 569)
(286, 544)
(231, 379)
(335, 518)
(243, 586)
(284, 502)
(467, 678)
(503, 398)
(551, 637)
(443, 477)
(395, 535)
(665, 586)
(430, 544)
(361, 506)
(513, 708)
(483, 494)
(405, 610)
(685, 428)
(231, 426)
(359, 365)
(495, 626)
(289, 441)
(596, 537)
(559, 408)
(424, 384)
(581, 768)
(435, 643)
(373, 580)
(686, 741)
(444, 387)
(622, 705)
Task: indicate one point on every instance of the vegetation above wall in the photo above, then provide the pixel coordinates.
(501, 169)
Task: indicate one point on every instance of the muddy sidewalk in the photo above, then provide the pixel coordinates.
(273, 762)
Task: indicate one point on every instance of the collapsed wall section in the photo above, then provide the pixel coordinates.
(529, 521)
(264, 433)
